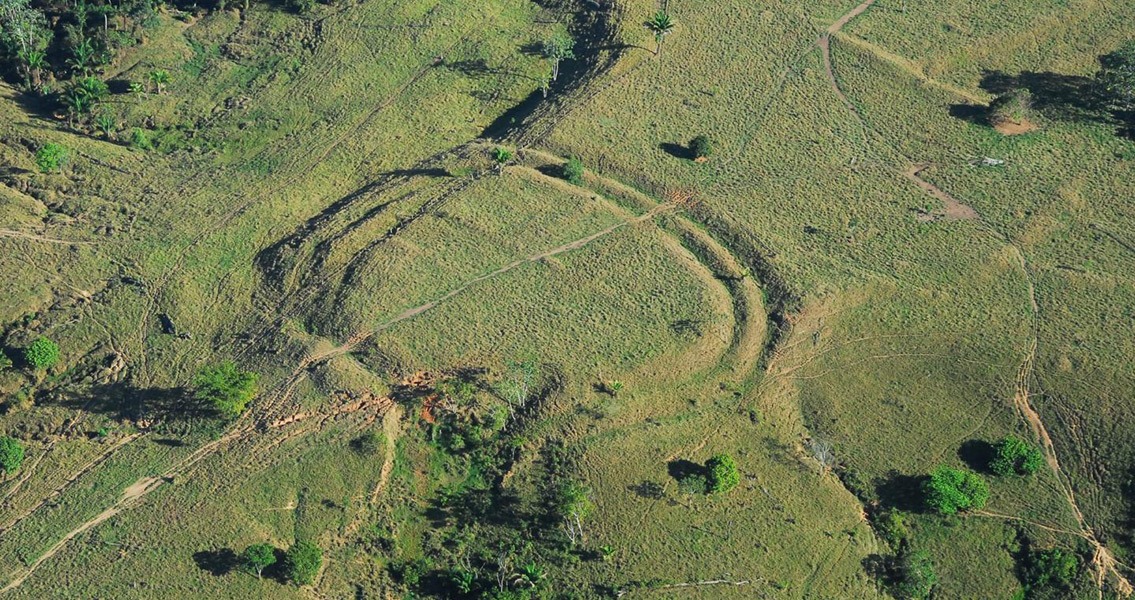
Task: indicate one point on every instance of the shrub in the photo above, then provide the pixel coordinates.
(914, 576)
(303, 561)
(949, 490)
(1013, 106)
(42, 353)
(139, 139)
(1046, 568)
(11, 455)
(721, 474)
(573, 171)
(51, 157)
(1014, 455)
(701, 147)
(225, 388)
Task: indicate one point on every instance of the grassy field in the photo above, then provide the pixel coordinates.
(320, 204)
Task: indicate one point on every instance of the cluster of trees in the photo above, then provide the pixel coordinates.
(719, 475)
(301, 562)
(949, 490)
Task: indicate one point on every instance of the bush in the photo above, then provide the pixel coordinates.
(11, 455)
(1053, 568)
(303, 561)
(573, 171)
(701, 147)
(891, 526)
(367, 444)
(1013, 106)
(949, 490)
(42, 353)
(225, 388)
(1014, 455)
(721, 474)
(51, 157)
(914, 576)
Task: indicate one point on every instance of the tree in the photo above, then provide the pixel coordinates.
(160, 78)
(24, 33)
(950, 490)
(1012, 455)
(519, 379)
(42, 353)
(557, 48)
(501, 156)
(573, 504)
(721, 474)
(1013, 106)
(83, 94)
(1115, 80)
(914, 575)
(303, 561)
(701, 147)
(573, 171)
(225, 388)
(11, 455)
(258, 557)
(661, 25)
(51, 157)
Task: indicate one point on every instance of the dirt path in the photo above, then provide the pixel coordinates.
(390, 430)
(954, 210)
(131, 494)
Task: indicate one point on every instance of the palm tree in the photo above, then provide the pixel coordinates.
(661, 25)
(159, 78)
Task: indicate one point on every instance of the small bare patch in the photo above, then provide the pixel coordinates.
(1010, 127)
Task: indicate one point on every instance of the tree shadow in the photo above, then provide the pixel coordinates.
(677, 150)
(1074, 98)
(216, 562)
(651, 490)
(121, 400)
(681, 468)
(971, 113)
(977, 454)
(419, 172)
(903, 492)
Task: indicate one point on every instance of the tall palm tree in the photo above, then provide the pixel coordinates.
(661, 25)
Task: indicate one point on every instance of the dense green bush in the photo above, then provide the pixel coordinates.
(11, 455)
(721, 474)
(224, 388)
(891, 526)
(139, 139)
(1049, 568)
(42, 353)
(303, 562)
(573, 171)
(950, 490)
(914, 576)
(51, 157)
(701, 147)
(1014, 455)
